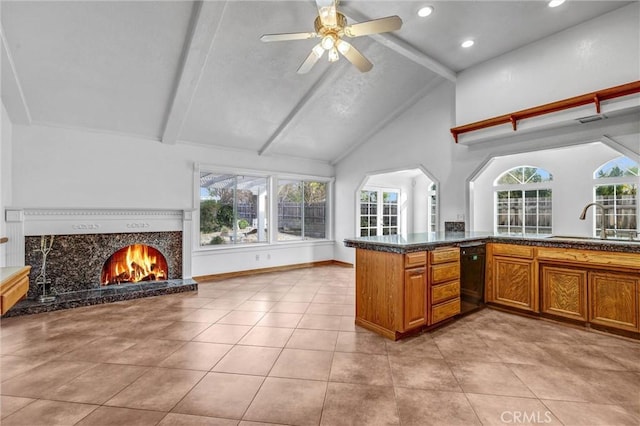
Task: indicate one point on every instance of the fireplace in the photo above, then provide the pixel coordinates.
(134, 263)
(99, 256)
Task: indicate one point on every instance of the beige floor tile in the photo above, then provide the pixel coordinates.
(169, 387)
(575, 355)
(175, 419)
(298, 297)
(55, 346)
(114, 416)
(11, 404)
(592, 414)
(426, 407)
(488, 378)
(206, 315)
(280, 319)
(323, 340)
(100, 350)
(39, 381)
(11, 366)
(495, 410)
(523, 353)
(303, 364)
(180, 330)
(367, 369)
(220, 395)
(223, 304)
(325, 309)
(241, 317)
(369, 343)
(422, 373)
(422, 345)
(223, 333)
(196, 356)
(351, 404)
(556, 383)
(255, 305)
(47, 413)
(288, 401)
(628, 357)
(150, 352)
(320, 322)
(253, 360)
(290, 307)
(337, 299)
(614, 387)
(267, 336)
(97, 385)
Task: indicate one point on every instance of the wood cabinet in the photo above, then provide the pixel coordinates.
(511, 276)
(564, 292)
(444, 267)
(613, 300)
(397, 294)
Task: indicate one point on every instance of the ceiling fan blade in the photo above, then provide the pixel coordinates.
(382, 25)
(314, 56)
(287, 36)
(354, 56)
(327, 12)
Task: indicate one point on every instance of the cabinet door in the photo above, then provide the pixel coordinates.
(514, 283)
(613, 300)
(564, 292)
(415, 298)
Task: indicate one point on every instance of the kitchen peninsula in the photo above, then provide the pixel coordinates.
(405, 284)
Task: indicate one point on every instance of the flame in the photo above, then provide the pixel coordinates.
(138, 263)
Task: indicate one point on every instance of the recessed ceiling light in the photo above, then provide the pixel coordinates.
(467, 43)
(425, 11)
(555, 3)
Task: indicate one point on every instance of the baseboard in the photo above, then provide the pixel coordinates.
(226, 275)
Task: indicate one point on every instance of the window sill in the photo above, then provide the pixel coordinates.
(261, 246)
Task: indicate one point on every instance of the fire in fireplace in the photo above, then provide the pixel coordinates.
(134, 263)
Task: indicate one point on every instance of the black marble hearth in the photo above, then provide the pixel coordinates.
(105, 294)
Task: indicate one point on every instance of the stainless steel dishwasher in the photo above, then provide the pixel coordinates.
(472, 260)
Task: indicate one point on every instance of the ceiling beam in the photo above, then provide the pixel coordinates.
(402, 47)
(390, 118)
(12, 94)
(204, 26)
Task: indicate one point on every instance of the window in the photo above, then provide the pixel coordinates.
(616, 188)
(379, 212)
(302, 210)
(233, 209)
(523, 201)
(433, 208)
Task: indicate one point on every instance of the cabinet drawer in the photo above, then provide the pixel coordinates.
(445, 255)
(445, 272)
(442, 292)
(512, 250)
(418, 258)
(445, 310)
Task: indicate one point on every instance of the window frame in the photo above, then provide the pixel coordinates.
(547, 185)
(272, 207)
(615, 181)
(327, 208)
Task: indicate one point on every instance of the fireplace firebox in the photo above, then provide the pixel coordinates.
(134, 263)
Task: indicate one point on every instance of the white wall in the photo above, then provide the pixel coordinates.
(517, 80)
(55, 167)
(595, 55)
(5, 174)
(572, 186)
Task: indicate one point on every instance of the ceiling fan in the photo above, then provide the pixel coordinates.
(330, 27)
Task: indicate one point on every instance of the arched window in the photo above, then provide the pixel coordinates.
(523, 201)
(616, 188)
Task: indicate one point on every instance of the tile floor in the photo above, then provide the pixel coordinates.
(282, 348)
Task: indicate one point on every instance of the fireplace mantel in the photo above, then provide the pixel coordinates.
(23, 222)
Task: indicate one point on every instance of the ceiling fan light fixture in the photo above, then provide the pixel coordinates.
(333, 55)
(328, 42)
(425, 11)
(343, 47)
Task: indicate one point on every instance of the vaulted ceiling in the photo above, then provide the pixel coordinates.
(197, 72)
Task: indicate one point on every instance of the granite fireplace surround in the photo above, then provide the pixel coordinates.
(76, 259)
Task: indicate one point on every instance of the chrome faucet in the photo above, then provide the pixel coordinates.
(583, 216)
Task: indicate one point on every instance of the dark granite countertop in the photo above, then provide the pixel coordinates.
(431, 240)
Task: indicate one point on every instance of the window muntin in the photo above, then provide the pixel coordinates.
(302, 210)
(523, 201)
(379, 212)
(616, 188)
(233, 209)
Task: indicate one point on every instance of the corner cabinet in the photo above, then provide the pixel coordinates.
(511, 279)
(398, 294)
